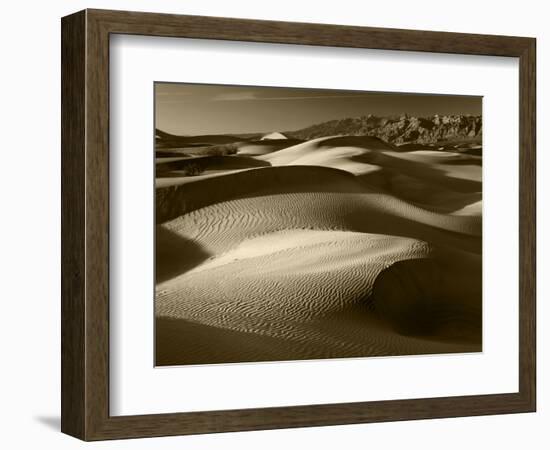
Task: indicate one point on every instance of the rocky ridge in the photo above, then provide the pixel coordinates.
(404, 129)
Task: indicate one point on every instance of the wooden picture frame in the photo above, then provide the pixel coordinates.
(85, 224)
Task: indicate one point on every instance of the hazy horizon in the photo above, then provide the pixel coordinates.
(194, 109)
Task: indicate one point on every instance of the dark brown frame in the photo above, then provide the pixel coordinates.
(85, 224)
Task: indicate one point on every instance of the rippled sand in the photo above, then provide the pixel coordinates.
(335, 247)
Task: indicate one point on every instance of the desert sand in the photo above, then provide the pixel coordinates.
(333, 247)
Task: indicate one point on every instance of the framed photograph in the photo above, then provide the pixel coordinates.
(273, 225)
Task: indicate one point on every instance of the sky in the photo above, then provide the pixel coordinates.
(191, 109)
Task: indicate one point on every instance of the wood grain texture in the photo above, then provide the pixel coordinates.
(527, 224)
(85, 224)
(151, 24)
(97, 225)
(73, 111)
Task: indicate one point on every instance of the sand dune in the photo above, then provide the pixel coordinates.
(334, 247)
(304, 195)
(184, 166)
(265, 146)
(438, 180)
(307, 292)
(472, 209)
(362, 155)
(274, 135)
(318, 149)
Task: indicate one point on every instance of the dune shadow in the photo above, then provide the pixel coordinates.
(422, 297)
(361, 141)
(473, 152)
(419, 170)
(468, 161)
(174, 201)
(412, 147)
(175, 254)
(200, 164)
(424, 194)
(184, 342)
(169, 154)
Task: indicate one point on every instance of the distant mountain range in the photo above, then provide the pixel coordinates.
(404, 129)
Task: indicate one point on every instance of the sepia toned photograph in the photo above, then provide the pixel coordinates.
(307, 224)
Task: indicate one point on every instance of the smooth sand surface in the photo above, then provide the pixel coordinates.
(265, 146)
(338, 247)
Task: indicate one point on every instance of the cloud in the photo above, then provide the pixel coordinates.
(235, 96)
(168, 97)
(314, 97)
(173, 94)
(252, 96)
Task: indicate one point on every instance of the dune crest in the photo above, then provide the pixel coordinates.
(274, 135)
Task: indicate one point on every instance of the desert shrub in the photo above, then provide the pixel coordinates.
(193, 169)
(216, 150)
